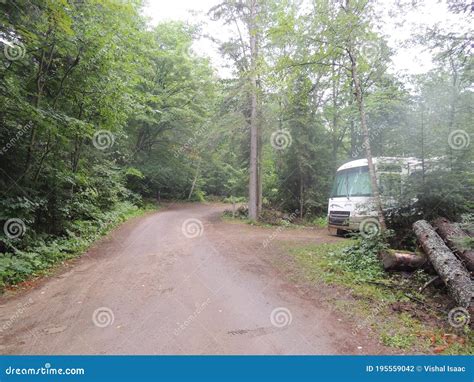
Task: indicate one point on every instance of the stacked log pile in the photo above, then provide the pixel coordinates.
(450, 269)
(443, 254)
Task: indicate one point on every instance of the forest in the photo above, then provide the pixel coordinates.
(103, 116)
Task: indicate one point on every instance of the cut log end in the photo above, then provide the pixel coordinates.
(402, 261)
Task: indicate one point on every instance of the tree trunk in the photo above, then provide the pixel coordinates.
(448, 266)
(365, 131)
(301, 195)
(450, 233)
(196, 176)
(39, 81)
(403, 261)
(259, 149)
(354, 151)
(423, 147)
(253, 171)
(259, 179)
(334, 137)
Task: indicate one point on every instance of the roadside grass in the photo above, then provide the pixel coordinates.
(243, 220)
(42, 255)
(382, 303)
(319, 222)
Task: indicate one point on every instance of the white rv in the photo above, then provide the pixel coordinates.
(351, 198)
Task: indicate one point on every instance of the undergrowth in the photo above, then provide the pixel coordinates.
(384, 303)
(31, 255)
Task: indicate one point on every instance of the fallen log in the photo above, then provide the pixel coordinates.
(393, 260)
(448, 266)
(452, 234)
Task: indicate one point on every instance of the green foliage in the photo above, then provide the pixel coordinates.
(40, 254)
(99, 109)
(361, 258)
(398, 340)
(321, 221)
(233, 199)
(351, 266)
(94, 112)
(444, 189)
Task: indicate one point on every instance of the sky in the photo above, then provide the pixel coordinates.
(413, 60)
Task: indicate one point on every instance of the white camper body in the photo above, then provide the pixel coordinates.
(351, 198)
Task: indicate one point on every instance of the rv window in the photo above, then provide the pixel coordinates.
(352, 182)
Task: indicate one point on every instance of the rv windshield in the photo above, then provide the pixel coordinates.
(352, 182)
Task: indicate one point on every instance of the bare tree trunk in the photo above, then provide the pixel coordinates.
(334, 137)
(39, 81)
(253, 181)
(259, 147)
(422, 146)
(301, 195)
(259, 176)
(354, 153)
(365, 131)
(36, 102)
(196, 175)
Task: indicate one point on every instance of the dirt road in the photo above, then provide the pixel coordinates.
(165, 284)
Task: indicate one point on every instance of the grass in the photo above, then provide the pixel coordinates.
(283, 223)
(320, 222)
(42, 255)
(371, 295)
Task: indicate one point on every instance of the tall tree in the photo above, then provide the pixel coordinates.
(354, 16)
(244, 51)
(254, 149)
